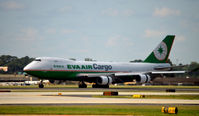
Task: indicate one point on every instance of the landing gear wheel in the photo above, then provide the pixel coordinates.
(100, 86)
(94, 86)
(41, 85)
(106, 86)
(82, 85)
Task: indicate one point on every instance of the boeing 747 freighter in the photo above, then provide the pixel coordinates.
(102, 74)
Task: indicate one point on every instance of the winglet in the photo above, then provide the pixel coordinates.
(161, 53)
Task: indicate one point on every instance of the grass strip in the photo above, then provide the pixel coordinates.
(145, 110)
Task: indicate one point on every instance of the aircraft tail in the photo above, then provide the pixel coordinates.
(161, 53)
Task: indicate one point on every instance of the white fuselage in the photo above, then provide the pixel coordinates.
(44, 64)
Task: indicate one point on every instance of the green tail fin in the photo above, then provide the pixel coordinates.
(161, 53)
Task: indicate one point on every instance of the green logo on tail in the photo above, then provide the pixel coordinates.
(161, 53)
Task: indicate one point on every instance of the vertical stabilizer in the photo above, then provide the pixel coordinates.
(161, 53)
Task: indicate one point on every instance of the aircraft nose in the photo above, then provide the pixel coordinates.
(29, 67)
(26, 68)
(33, 66)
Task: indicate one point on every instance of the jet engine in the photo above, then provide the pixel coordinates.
(143, 78)
(104, 80)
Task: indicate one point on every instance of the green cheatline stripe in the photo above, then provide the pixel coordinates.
(61, 74)
(87, 71)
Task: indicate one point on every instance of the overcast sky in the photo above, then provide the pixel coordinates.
(105, 30)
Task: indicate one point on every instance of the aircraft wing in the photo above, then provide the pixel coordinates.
(150, 73)
(94, 74)
(118, 74)
(169, 67)
(121, 77)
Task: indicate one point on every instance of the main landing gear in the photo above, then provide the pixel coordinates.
(100, 86)
(41, 85)
(82, 84)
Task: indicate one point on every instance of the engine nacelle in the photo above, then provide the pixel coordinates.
(104, 80)
(144, 78)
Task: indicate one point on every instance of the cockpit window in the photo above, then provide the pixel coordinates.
(38, 60)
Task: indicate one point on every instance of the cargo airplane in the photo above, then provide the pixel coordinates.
(102, 74)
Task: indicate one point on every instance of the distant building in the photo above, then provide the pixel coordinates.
(16, 78)
(4, 68)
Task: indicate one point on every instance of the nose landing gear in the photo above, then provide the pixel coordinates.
(41, 85)
(82, 84)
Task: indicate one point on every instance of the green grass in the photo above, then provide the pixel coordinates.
(145, 110)
(188, 97)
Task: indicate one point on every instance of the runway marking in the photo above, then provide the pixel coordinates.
(44, 98)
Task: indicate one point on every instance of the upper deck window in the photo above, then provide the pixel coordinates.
(38, 60)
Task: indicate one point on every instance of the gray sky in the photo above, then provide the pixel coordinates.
(105, 30)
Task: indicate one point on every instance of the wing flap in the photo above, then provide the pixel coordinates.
(111, 74)
(168, 72)
(94, 74)
(169, 67)
(129, 73)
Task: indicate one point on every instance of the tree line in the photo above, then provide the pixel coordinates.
(16, 65)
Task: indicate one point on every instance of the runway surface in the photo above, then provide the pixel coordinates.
(84, 98)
